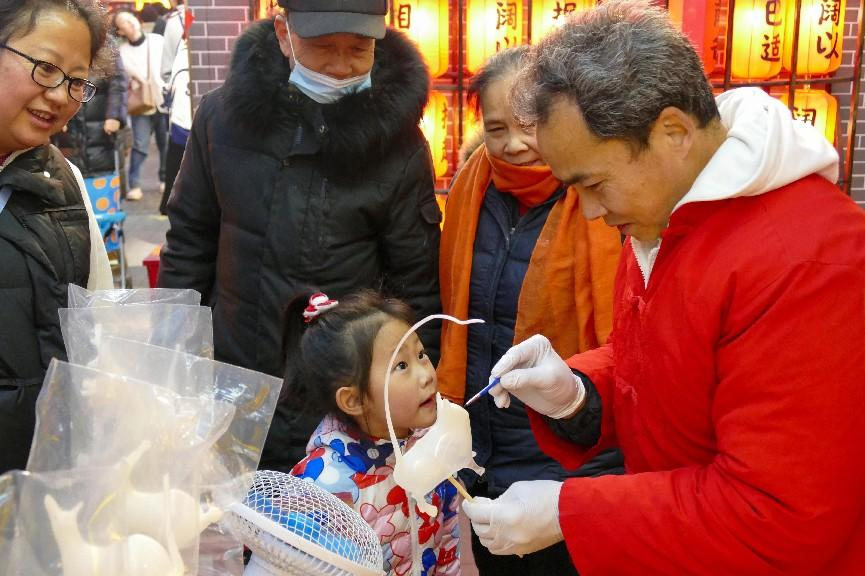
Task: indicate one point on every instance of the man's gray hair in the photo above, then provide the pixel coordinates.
(621, 63)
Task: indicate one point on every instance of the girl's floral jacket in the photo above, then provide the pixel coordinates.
(358, 469)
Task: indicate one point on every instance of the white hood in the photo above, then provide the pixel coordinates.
(763, 151)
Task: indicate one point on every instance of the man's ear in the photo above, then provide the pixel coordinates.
(280, 25)
(674, 131)
(349, 400)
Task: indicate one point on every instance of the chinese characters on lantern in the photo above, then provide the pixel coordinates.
(434, 126)
(758, 30)
(550, 14)
(506, 25)
(821, 27)
(493, 25)
(425, 22)
(815, 107)
(763, 35)
(403, 16)
(772, 40)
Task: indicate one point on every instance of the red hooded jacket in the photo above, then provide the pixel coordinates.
(735, 385)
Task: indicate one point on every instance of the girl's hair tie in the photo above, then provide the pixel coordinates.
(318, 303)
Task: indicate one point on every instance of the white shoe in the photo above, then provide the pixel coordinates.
(135, 194)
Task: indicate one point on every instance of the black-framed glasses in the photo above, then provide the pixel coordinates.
(48, 75)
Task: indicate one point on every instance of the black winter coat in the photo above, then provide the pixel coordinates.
(85, 142)
(279, 195)
(44, 246)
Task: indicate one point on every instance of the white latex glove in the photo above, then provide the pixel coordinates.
(523, 520)
(534, 373)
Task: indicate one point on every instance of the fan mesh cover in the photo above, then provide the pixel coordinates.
(295, 527)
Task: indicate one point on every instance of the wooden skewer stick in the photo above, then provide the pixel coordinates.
(460, 488)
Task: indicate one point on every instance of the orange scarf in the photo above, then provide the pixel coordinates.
(530, 185)
(567, 292)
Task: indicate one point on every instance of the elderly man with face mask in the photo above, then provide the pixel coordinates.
(306, 171)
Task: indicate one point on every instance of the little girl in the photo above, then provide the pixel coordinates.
(336, 357)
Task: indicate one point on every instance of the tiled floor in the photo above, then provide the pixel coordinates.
(145, 228)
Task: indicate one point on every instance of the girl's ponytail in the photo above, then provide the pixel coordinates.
(293, 394)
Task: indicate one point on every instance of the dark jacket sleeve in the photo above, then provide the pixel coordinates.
(188, 259)
(410, 245)
(118, 94)
(584, 428)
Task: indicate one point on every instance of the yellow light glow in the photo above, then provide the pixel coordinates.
(493, 25)
(425, 22)
(139, 4)
(821, 32)
(816, 107)
(758, 35)
(434, 126)
(471, 123)
(550, 14)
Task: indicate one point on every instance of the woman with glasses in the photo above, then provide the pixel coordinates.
(48, 235)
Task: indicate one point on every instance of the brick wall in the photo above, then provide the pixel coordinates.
(842, 92)
(217, 25)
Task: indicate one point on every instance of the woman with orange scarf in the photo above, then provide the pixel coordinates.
(517, 252)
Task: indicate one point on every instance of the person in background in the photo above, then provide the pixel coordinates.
(517, 253)
(142, 58)
(306, 170)
(733, 377)
(151, 13)
(172, 26)
(89, 140)
(178, 99)
(48, 234)
(337, 355)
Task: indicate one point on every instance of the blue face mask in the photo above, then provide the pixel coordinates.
(322, 88)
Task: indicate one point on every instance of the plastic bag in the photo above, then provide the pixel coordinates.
(82, 298)
(91, 418)
(180, 327)
(236, 453)
(226, 474)
(73, 523)
(88, 419)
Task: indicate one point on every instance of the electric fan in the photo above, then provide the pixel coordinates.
(294, 528)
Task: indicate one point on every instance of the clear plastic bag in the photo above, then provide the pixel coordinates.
(82, 298)
(74, 523)
(236, 453)
(91, 418)
(88, 419)
(227, 471)
(179, 327)
(8, 514)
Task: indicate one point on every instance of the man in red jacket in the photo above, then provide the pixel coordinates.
(734, 379)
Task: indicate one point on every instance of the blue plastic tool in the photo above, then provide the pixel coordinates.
(485, 390)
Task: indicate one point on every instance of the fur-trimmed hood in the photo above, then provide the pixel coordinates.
(358, 128)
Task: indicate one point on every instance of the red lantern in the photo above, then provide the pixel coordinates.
(550, 14)
(434, 125)
(493, 25)
(425, 22)
(758, 33)
(815, 107)
(821, 29)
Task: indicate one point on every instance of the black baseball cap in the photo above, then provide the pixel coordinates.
(310, 18)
